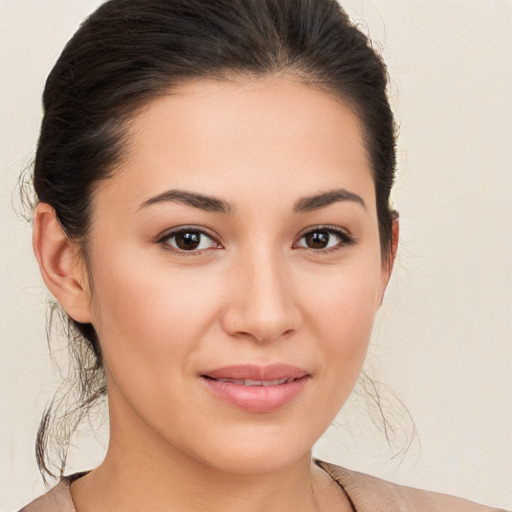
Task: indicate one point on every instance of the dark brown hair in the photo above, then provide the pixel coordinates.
(129, 52)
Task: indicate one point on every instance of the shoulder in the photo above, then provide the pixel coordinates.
(369, 494)
(57, 499)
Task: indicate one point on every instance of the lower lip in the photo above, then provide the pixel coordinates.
(256, 398)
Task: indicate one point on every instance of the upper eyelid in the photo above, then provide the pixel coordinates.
(325, 227)
(181, 229)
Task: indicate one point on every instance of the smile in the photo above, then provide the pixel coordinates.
(257, 389)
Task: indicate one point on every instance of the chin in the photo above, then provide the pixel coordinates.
(252, 452)
(257, 462)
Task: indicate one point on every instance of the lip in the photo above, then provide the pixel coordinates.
(264, 393)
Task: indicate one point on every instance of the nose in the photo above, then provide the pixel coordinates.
(261, 303)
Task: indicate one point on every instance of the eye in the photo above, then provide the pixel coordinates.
(189, 240)
(323, 238)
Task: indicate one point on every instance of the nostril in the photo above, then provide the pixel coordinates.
(260, 317)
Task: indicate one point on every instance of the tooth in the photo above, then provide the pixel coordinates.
(249, 382)
(232, 381)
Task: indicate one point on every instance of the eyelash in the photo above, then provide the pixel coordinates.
(164, 240)
(344, 239)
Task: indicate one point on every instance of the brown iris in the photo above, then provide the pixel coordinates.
(317, 239)
(188, 241)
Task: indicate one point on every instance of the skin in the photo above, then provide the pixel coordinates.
(254, 293)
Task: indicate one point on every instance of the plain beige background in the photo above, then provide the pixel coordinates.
(443, 340)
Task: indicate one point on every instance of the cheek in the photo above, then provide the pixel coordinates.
(342, 312)
(148, 316)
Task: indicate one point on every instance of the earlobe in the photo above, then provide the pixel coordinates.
(395, 234)
(60, 264)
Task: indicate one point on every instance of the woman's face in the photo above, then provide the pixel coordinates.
(236, 271)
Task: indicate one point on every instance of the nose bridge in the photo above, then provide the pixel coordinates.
(263, 305)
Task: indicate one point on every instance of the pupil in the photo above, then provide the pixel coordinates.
(188, 241)
(318, 239)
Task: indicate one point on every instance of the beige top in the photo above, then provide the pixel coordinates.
(366, 493)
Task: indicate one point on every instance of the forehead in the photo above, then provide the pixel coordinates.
(254, 136)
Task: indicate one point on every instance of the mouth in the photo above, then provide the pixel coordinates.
(249, 382)
(259, 389)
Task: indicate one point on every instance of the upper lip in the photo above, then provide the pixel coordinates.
(269, 372)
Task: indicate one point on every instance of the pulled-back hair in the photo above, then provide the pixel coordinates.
(129, 52)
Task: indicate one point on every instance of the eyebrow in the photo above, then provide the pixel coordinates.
(317, 201)
(207, 203)
(216, 205)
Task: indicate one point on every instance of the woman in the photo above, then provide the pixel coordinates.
(213, 183)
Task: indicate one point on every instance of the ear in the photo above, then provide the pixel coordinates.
(61, 267)
(389, 262)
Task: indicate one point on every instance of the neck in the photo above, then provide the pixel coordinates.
(187, 489)
(133, 483)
